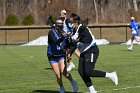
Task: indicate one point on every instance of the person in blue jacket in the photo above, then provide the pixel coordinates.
(135, 32)
(56, 53)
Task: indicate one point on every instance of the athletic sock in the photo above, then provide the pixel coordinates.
(108, 75)
(71, 63)
(62, 89)
(92, 89)
(113, 76)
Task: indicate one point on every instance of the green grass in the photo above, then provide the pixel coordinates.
(27, 70)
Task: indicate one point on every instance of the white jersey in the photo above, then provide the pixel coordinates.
(67, 26)
(84, 46)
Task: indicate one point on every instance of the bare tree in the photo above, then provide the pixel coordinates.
(4, 11)
(135, 5)
(96, 11)
(99, 10)
(78, 9)
(35, 11)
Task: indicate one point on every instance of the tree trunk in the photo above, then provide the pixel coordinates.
(135, 5)
(4, 11)
(78, 9)
(96, 11)
(35, 11)
(128, 4)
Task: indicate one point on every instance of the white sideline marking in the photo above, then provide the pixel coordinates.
(120, 89)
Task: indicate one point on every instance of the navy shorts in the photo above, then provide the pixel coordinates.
(55, 59)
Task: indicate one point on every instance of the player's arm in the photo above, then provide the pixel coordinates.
(72, 48)
(138, 25)
(52, 38)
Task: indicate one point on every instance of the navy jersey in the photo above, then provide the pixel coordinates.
(56, 43)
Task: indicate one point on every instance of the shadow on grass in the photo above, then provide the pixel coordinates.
(126, 50)
(48, 68)
(51, 91)
(75, 69)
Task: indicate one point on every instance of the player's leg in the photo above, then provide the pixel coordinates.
(97, 73)
(137, 38)
(63, 70)
(56, 69)
(70, 64)
(89, 60)
(131, 45)
(85, 78)
(58, 74)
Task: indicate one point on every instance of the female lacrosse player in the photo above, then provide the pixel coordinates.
(135, 32)
(57, 54)
(89, 54)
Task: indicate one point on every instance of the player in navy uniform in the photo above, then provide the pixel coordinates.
(89, 54)
(57, 54)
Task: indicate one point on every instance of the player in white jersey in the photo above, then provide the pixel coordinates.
(68, 29)
(89, 54)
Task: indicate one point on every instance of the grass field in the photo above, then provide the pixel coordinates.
(27, 70)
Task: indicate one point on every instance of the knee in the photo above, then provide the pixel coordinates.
(84, 73)
(87, 73)
(59, 79)
(65, 73)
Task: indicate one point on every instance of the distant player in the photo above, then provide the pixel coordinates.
(68, 29)
(135, 32)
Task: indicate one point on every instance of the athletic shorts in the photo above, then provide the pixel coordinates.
(90, 56)
(134, 33)
(87, 60)
(55, 59)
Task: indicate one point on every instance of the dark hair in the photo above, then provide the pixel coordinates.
(73, 15)
(76, 17)
(51, 20)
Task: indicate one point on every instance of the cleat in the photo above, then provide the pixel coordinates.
(93, 92)
(70, 67)
(114, 77)
(129, 48)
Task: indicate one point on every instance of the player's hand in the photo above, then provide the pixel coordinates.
(64, 35)
(69, 57)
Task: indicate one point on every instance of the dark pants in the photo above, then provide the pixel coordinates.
(87, 63)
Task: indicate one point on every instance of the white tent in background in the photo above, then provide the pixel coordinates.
(43, 40)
